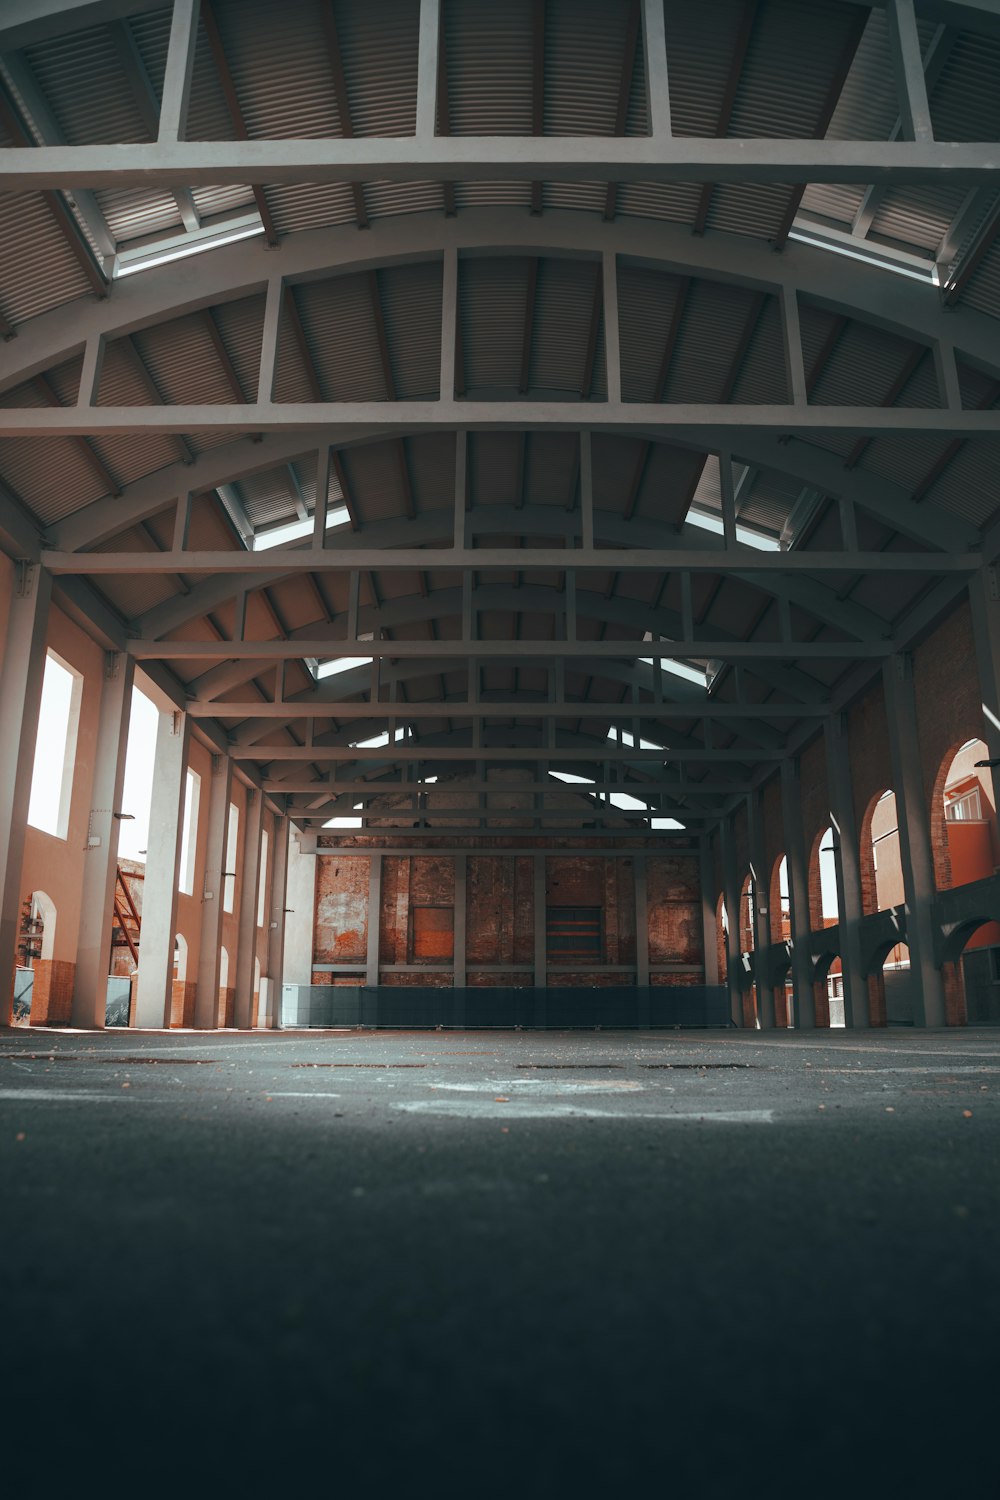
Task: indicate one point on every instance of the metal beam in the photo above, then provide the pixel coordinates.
(409, 751)
(290, 650)
(324, 708)
(497, 159)
(702, 423)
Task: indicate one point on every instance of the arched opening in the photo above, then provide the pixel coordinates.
(970, 969)
(722, 939)
(751, 1006)
(963, 818)
(33, 987)
(881, 860)
(824, 911)
(779, 910)
(897, 982)
(180, 958)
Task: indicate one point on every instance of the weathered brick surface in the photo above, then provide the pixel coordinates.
(52, 992)
(341, 910)
(673, 905)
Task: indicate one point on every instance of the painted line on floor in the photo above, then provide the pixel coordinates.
(488, 1109)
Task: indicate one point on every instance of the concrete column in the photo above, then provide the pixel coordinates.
(461, 918)
(206, 1000)
(798, 896)
(276, 920)
(731, 887)
(93, 949)
(159, 896)
(761, 928)
(374, 918)
(300, 918)
(915, 849)
(20, 698)
(709, 936)
(246, 940)
(847, 861)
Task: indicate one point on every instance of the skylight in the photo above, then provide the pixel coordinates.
(178, 247)
(708, 521)
(614, 733)
(679, 669)
(339, 664)
(294, 531)
(664, 823)
(379, 740)
(576, 780)
(885, 259)
(343, 822)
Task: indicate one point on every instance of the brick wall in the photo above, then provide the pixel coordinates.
(52, 992)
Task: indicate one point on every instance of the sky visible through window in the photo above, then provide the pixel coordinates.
(137, 791)
(52, 749)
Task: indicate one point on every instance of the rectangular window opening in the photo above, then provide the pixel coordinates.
(189, 836)
(573, 932)
(55, 748)
(232, 845)
(262, 880)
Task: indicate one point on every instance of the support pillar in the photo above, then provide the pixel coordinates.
(759, 910)
(206, 1002)
(93, 950)
(276, 922)
(709, 916)
(847, 862)
(734, 958)
(159, 896)
(246, 941)
(913, 817)
(20, 699)
(460, 920)
(798, 896)
(300, 899)
(374, 918)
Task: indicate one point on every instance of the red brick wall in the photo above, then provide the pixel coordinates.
(52, 991)
(673, 906)
(341, 910)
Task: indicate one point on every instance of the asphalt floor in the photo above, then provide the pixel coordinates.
(474, 1263)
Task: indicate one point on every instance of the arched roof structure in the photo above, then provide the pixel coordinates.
(621, 374)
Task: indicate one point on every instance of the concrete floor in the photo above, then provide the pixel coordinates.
(502, 1263)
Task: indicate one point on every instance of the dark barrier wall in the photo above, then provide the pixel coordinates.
(560, 1008)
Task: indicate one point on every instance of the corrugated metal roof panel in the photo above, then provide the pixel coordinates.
(378, 45)
(700, 44)
(208, 114)
(133, 594)
(867, 107)
(492, 301)
(494, 468)
(339, 323)
(968, 485)
(584, 57)
(121, 383)
(374, 481)
(669, 481)
(488, 66)
(796, 48)
(385, 199)
(714, 318)
(749, 208)
(862, 368)
(917, 216)
(551, 466)
(182, 362)
(309, 205)
(564, 307)
(129, 458)
(38, 270)
(903, 460)
(411, 309)
(281, 73)
(86, 88)
(647, 305)
(965, 103)
(241, 326)
(762, 373)
(830, 201)
(211, 202)
(674, 203)
(431, 461)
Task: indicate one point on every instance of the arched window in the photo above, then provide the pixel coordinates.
(881, 859)
(180, 957)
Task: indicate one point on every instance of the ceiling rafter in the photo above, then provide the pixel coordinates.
(329, 23)
(624, 94)
(743, 36)
(235, 109)
(53, 199)
(537, 89)
(83, 445)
